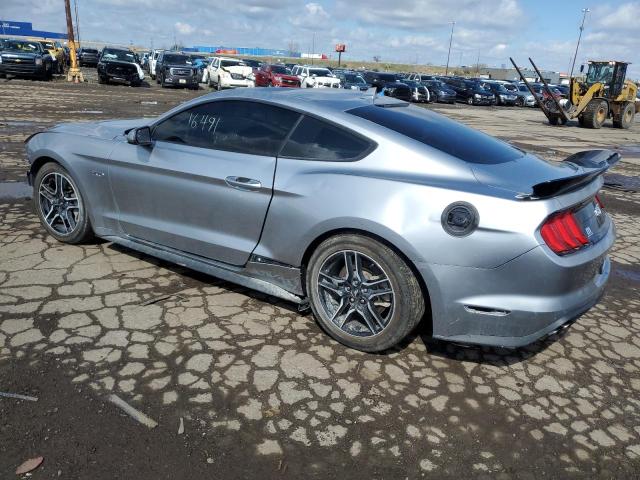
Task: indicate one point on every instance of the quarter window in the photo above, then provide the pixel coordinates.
(314, 139)
(234, 126)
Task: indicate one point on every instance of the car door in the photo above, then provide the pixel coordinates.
(204, 184)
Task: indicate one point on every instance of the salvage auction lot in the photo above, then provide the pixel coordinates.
(261, 390)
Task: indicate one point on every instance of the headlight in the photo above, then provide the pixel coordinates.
(476, 95)
(529, 97)
(354, 87)
(502, 97)
(38, 60)
(225, 74)
(251, 76)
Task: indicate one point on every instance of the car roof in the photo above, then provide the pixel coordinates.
(314, 100)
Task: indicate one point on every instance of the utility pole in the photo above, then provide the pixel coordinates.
(74, 75)
(446, 71)
(478, 65)
(313, 47)
(584, 17)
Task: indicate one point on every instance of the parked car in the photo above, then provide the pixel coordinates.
(419, 93)
(379, 79)
(118, 65)
(397, 90)
(525, 98)
(153, 58)
(252, 63)
(420, 77)
(503, 96)
(275, 76)
(315, 77)
(25, 58)
(57, 54)
(521, 243)
(88, 57)
(351, 80)
(440, 91)
(176, 69)
(225, 72)
(470, 91)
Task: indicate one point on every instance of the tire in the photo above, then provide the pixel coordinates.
(269, 84)
(470, 101)
(595, 113)
(81, 231)
(401, 314)
(102, 80)
(520, 102)
(219, 85)
(625, 119)
(557, 120)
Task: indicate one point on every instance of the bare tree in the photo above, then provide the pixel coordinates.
(293, 46)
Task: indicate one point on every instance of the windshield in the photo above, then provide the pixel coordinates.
(352, 78)
(319, 72)
(121, 55)
(177, 60)
(279, 69)
(387, 77)
(89, 50)
(510, 87)
(599, 72)
(232, 63)
(18, 46)
(440, 133)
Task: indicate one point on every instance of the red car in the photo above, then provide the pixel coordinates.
(275, 76)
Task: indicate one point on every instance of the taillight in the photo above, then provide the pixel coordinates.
(562, 233)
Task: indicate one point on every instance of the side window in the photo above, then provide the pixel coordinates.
(234, 126)
(317, 140)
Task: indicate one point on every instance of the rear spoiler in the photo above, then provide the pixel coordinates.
(593, 163)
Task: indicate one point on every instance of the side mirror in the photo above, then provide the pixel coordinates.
(581, 68)
(139, 136)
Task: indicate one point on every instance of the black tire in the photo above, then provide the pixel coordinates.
(625, 118)
(557, 120)
(595, 113)
(408, 302)
(102, 80)
(520, 102)
(219, 85)
(82, 232)
(470, 101)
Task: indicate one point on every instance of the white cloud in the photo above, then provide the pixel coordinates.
(313, 16)
(184, 28)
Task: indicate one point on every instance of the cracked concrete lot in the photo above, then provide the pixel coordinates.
(261, 389)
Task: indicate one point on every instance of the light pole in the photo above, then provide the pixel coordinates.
(446, 71)
(584, 16)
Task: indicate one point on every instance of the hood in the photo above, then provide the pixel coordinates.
(325, 79)
(21, 55)
(116, 62)
(533, 178)
(107, 130)
(285, 76)
(242, 70)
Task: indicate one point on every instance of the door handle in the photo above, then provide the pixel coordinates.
(243, 183)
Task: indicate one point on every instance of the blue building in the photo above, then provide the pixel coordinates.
(25, 29)
(254, 52)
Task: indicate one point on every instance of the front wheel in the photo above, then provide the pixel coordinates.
(362, 293)
(470, 101)
(624, 118)
(60, 205)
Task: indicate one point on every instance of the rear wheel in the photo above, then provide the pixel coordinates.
(470, 101)
(60, 205)
(625, 118)
(555, 119)
(595, 113)
(520, 102)
(362, 293)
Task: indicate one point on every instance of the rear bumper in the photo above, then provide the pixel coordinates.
(233, 83)
(519, 302)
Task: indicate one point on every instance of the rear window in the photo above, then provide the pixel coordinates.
(440, 133)
(314, 139)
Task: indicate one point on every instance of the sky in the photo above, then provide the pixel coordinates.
(407, 31)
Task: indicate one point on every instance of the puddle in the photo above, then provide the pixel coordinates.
(625, 183)
(627, 274)
(16, 124)
(14, 190)
(632, 150)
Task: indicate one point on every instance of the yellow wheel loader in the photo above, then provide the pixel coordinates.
(604, 93)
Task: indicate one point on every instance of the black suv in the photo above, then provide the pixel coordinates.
(88, 57)
(173, 68)
(470, 91)
(379, 79)
(119, 65)
(25, 58)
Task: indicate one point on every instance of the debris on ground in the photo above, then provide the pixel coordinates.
(18, 396)
(133, 412)
(29, 465)
(181, 427)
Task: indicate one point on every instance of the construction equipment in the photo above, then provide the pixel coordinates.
(603, 93)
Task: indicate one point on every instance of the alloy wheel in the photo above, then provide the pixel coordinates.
(59, 203)
(355, 293)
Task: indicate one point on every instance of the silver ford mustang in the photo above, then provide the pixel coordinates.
(373, 212)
